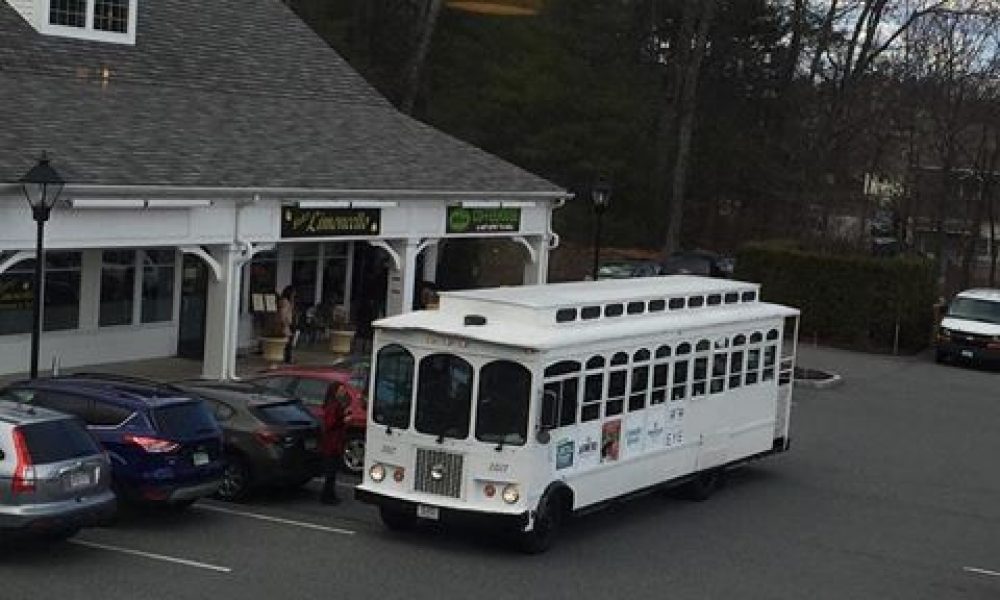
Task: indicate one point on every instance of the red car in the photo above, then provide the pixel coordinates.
(311, 384)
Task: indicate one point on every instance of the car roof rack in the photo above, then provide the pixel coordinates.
(119, 378)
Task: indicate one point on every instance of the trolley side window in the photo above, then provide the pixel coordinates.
(679, 391)
(562, 393)
(393, 387)
(640, 380)
(593, 392)
(444, 396)
(502, 408)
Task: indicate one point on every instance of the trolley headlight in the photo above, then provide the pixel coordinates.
(377, 473)
(511, 494)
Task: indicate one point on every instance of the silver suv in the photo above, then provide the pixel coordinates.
(54, 477)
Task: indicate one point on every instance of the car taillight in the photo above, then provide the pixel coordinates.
(267, 437)
(151, 444)
(24, 470)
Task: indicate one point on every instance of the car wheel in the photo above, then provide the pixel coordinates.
(548, 520)
(397, 520)
(940, 356)
(353, 458)
(235, 480)
(61, 533)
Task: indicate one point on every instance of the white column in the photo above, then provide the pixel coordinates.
(402, 281)
(221, 317)
(536, 264)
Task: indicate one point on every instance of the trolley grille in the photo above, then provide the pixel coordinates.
(439, 473)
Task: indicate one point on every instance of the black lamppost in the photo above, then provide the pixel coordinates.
(600, 195)
(42, 186)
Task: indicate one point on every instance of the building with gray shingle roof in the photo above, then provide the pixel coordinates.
(202, 132)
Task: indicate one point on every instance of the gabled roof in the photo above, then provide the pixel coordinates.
(227, 93)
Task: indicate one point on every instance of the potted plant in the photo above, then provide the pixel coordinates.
(341, 331)
(273, 339)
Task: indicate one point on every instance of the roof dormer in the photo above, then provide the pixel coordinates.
(111, 21)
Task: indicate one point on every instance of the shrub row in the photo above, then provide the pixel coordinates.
(850, 301)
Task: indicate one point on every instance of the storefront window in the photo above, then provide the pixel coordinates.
(62, 294)
(158, 285)
(117, 287)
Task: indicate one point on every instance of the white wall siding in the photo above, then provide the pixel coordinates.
(82, 347)
(26, 8)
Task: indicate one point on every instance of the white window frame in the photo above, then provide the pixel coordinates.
(42, 9)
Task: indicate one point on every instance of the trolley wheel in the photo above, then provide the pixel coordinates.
(703, 486)
(396, 520)
(548, 520)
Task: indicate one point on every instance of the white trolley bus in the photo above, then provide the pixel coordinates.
(521, 405)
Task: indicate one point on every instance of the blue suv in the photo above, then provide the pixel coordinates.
(165, 446)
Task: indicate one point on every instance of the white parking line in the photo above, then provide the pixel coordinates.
(981, 571)
(150, 555)
(270, 519)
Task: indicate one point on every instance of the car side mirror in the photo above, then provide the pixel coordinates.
(543, 436)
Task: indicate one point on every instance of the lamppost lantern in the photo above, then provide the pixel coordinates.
(42, 186)
(600, 195)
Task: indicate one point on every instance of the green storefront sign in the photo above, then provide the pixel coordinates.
(329, 222)
(483, 220)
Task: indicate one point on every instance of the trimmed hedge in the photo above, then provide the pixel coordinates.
(852, 301)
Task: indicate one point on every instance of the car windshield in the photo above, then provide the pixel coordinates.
(502, 409)
(185, 420)
(614, 271)
(975, 310)
(56, 441)
(444, 396)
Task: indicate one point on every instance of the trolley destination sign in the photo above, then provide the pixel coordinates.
(483, 220)
(329, 222)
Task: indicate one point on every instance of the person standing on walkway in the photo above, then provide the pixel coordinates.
(286, 316)
(334, 434)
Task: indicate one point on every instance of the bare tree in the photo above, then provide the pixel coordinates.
(413, 74)
(677, 117)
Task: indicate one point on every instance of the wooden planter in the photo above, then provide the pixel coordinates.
(273, 348)
(340, 340)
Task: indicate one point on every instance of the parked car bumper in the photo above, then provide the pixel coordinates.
(172, 492)
(288, 470)
(77, 512)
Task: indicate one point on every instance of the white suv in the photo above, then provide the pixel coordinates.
(970, 330)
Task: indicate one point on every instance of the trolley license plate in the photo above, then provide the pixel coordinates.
(968, 354)
(428, 512)
(79, 479)
(199, 459)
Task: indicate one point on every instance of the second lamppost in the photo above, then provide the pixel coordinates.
(600, 195)
(42, 186)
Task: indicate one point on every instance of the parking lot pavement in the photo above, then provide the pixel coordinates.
(890, 491)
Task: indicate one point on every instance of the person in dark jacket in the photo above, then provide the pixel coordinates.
(332, 448)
